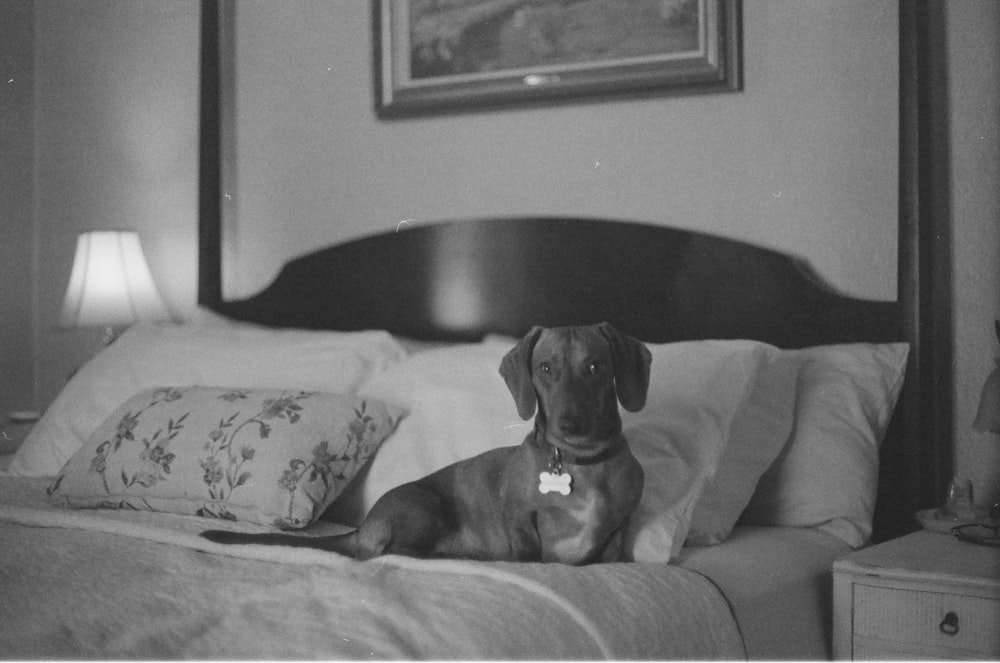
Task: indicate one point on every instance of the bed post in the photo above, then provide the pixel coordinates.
(210, 162)
(917, 460)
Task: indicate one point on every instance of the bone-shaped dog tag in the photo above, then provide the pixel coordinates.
(559, 483)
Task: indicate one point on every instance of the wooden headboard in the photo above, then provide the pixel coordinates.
(460, 280)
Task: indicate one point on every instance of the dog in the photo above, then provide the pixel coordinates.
(565, 494)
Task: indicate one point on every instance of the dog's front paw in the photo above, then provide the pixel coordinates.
(559, 483)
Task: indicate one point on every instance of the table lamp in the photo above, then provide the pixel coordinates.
(987, 421)
(110, 286)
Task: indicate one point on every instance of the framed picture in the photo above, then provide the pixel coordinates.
(449, 55)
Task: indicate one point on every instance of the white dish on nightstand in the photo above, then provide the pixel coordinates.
(933, 520)
(23, 416)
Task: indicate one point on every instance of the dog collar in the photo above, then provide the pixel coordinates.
(576, 459)
(557, 479)
(562, 457)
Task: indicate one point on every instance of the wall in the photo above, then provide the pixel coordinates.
(804, 160)
(115, 108)
(973, 34)
(17, 37)
(116, 145)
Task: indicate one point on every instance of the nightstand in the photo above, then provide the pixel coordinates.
(14, 428)
(923, 595)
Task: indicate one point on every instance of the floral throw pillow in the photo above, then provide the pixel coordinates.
(273, 457)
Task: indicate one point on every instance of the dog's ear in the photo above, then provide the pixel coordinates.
(516, 371)
(632, 360)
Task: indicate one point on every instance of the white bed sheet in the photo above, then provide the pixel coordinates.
(778, 581)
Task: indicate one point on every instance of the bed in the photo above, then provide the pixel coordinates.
(730, 550)
(786, 425)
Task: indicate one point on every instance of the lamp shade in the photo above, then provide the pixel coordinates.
(110, 285)
(988, 415)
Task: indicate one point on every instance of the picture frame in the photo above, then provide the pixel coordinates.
(436, 56)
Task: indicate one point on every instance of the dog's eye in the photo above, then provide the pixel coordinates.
(545, 367)
(597, 368)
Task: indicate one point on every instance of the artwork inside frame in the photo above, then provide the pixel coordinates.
(450, 55)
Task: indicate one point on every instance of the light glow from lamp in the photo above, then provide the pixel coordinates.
(110, 285)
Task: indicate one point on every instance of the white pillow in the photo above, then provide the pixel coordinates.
(696, 390)
(203, 316)
(826, 476)
(268, 456)
(233, 355)
(759, 432)
(459, 407)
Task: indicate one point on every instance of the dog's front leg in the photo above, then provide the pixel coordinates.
(614, 549)
(568, 537)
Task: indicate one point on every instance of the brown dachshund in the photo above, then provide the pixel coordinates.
(563, 495)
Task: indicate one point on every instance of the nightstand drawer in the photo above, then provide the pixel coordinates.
(931, 622)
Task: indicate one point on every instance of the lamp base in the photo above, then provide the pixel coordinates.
(109, 335)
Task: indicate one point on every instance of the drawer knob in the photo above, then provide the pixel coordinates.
(949, 625)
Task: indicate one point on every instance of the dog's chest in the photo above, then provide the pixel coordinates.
(566, 525)
(586, 496)
(574, 528)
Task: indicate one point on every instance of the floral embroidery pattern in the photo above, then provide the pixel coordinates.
(155, 458)
(223, 466)
(327, 467)
(267, 456)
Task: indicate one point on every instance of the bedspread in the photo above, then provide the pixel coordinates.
(119, 584)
